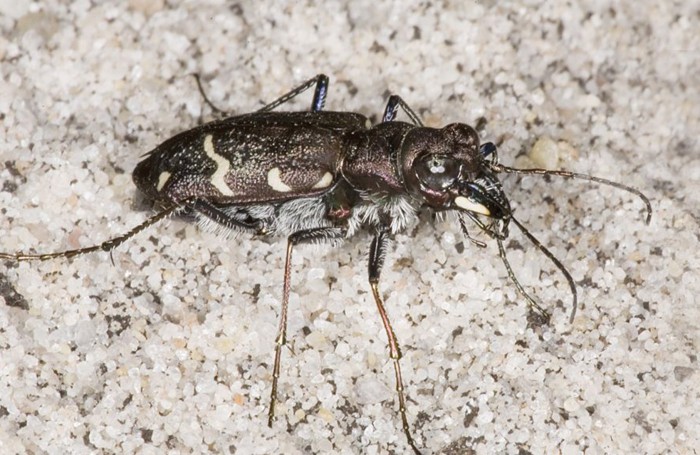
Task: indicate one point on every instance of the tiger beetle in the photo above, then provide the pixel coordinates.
(320, 177)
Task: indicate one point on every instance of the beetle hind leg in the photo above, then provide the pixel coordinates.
(319, 100)
(314, 236)
(206, 99)
(107, 245)
(224, 220)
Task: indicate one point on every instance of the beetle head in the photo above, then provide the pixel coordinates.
(448, 168)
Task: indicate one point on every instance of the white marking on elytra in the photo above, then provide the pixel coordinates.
(467, 204)
(162, 180)
(222, 167)
(275, 182)
(325, 181)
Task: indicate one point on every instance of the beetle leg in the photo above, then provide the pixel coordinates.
(340, 202)
(107, 245)
(392, 108)
(206, 99)
(218, 216)
(321, 83)
(489, 149)
(377, 252)
(320, 93)
(319, 100)
(465, 231)
(318, 235)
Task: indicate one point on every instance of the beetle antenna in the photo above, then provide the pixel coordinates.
(552, 258)
(575, 175)
(107, 245)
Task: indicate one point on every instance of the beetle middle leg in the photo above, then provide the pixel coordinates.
(392, 107)
(377, 252)
(317, 235)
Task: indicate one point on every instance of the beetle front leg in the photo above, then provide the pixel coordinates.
(318, 235)
(377, 252)
(489, 149)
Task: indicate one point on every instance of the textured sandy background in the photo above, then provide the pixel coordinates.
(171, 347)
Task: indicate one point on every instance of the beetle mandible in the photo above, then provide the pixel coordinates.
(320, 177)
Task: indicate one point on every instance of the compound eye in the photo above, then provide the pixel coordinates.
(437, 172)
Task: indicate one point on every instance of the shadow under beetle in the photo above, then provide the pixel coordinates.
(319, 177)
